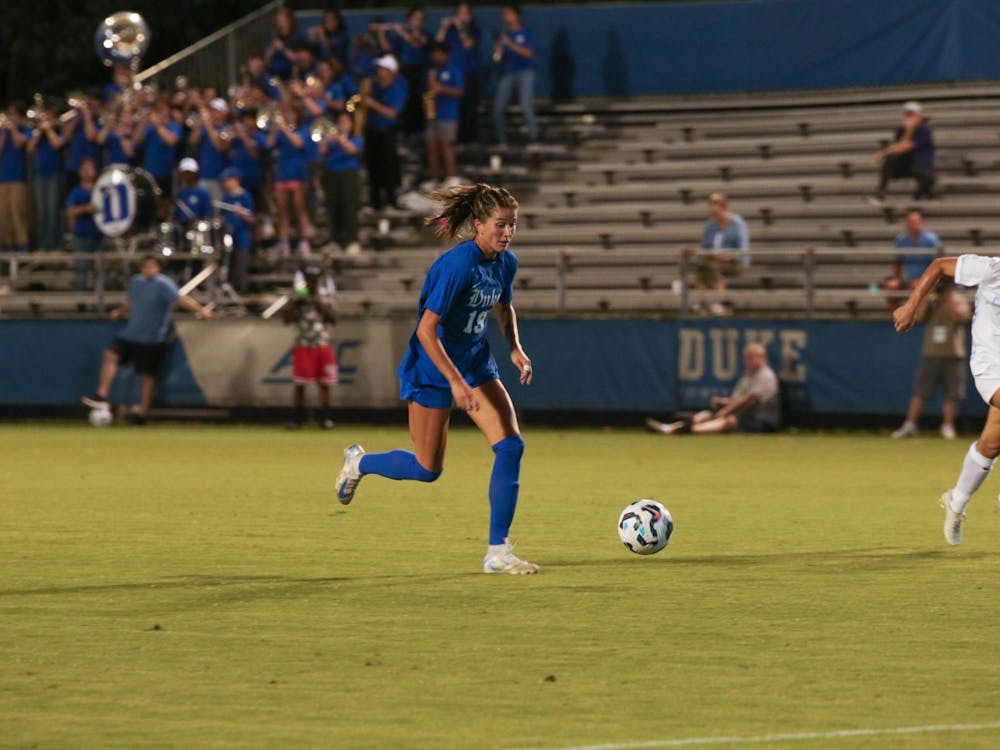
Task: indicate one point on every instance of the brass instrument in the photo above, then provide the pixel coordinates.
(498, 50)
(122, 38)
(356, 104)
(430, 105)
(76, 101)
(227, 133)
(269, 117)
(323, 129)
(193, 120)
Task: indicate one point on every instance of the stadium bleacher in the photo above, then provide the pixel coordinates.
(617, 191)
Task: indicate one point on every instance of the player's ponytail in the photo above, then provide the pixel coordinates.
(461, 205)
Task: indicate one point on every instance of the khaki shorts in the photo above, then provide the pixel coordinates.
(710, 270)
(947, 373)
(441, 130)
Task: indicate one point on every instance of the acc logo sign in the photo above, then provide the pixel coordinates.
(114, 201)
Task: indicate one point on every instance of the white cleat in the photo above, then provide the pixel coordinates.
(907, 430)
(952, 521)
(505, 561)
(350, 476)
(947, 432)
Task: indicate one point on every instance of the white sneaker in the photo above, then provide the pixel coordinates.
(350, 476)
(354, 248)
(907, 430)
(947, 432)
(952, 520)
(504, 561)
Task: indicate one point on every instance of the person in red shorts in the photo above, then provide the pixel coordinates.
(313, 360)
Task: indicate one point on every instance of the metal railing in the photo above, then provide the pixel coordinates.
(216, 59)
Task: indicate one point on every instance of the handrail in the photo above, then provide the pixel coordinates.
(201, 44)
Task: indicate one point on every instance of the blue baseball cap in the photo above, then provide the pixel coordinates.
(229, 172)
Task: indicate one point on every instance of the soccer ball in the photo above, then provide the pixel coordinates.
(645, 527)
(100, 417)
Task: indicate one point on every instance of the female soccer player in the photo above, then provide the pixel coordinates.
(448, 359)
(984, 273)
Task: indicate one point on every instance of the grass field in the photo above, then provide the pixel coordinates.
(196, 587)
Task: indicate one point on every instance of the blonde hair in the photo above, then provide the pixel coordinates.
(462, 205)
(721, 198)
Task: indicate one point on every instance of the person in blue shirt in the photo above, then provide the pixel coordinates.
(193, 202)
(117, 136)
(908, 267)
(291, 141)
(911, 154)
(448, 361)
(462, 34)
(246, 151)
(410, 44)
(46, 145)
(725, 245)
(14, 207)
(160, 138)
(211, 147)
(331, 38)
(237, 212)
(87, 237)
(81, 136)
(515, 51)
(287, 37)
(341, 154)
(385, 105)
(143, 342)
(339, 85)
(446, 86)
(261, 78)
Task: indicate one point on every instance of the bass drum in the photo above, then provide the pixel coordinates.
(125, 200)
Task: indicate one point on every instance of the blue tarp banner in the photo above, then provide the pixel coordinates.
(766, 45)
(623, 365)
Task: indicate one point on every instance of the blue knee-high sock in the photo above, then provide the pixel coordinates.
(504, 484)
(396, 465)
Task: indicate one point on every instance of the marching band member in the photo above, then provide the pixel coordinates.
(446, 86)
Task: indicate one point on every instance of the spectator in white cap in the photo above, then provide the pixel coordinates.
(388, 97)
(210, 141)
(911, 154)
(193, 202)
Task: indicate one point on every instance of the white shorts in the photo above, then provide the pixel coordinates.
(986, 374)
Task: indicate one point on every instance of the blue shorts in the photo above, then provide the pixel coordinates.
(421, 382)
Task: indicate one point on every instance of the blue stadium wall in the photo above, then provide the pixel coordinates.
(766, 45)
(631, 365)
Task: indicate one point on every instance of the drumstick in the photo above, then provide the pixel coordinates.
(230, 206)
(275, 306)
(197, 279)
(185, 209)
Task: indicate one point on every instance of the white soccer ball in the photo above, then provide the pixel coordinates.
(645, 527)
(100, 417)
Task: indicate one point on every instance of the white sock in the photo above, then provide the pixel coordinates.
(975, 468)
(495, 549)
(908, 425)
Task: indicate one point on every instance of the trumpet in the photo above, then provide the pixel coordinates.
(323, 129)
(269, 117)
(193, 120)
(430, 104)
(227, 133)
(76, 101)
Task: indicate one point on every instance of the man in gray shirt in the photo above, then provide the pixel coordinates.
(753, 406)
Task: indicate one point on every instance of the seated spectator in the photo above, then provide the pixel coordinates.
(238, 217)
(193, 202)
(14, 202)
(753, 406)
(87, 237)
(342, 183)
(331, 39)
(910, 155)
(446, 86)
(515, 52)
(725, 245)
(907, 267)
(279, 54)
(46, 145)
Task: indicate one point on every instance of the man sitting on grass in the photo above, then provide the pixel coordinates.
(754, 406)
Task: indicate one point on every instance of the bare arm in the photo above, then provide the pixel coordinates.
(906, 314)
(507, 318)
(190, 303)
(736, 405)
(427, 335)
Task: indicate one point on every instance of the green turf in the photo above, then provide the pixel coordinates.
(193, 587)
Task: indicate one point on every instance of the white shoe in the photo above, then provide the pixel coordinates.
(947, 432)
(354, 248)
(350, 476)
(452, 182)
(503, 560)
(952, 520)
(907, 430)
(657, 426)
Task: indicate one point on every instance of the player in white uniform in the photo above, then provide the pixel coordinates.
(984, 361)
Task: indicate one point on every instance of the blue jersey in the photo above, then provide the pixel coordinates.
(49, 160)
(338, 160)
(211, 160)
(83, 224)
(462, 287)
(159, 155)
(513, 62)
(445, 105)
(240, 229)
(393, 96)
(13, 159)
(198, 202)
(291, 161)
(151, 301)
